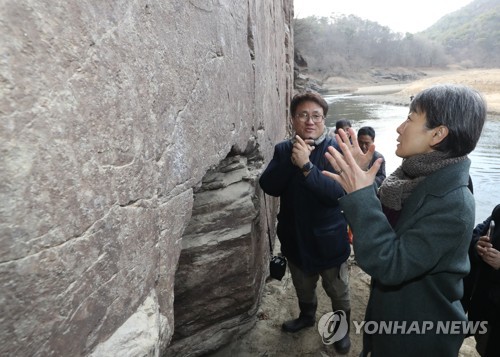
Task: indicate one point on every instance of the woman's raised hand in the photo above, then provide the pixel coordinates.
(362, 159)
(350, 166)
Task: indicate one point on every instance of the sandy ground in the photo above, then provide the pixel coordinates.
(486, 81)
(279, 302)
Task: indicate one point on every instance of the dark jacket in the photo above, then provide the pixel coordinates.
(311, 228)
(380, 177)
(485, 300)
(416, 268)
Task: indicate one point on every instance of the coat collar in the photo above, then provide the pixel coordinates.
(438, 184)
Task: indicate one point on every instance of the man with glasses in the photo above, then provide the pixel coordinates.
(311, 228)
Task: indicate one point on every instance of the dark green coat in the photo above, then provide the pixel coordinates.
(417, 268)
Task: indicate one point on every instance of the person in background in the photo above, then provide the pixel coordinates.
(340, 124)
(416, 244)
(311, 228)
(366, 138)
(484, 303)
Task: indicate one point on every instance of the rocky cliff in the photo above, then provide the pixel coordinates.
(132, 136)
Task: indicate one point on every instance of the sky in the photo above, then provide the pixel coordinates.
(399, 15)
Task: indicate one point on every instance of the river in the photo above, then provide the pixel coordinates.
(485, 167)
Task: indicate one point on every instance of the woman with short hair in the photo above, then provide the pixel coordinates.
(413, 237)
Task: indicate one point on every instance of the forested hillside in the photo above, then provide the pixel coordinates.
(470, 35)
(347, 43)
(341, 44)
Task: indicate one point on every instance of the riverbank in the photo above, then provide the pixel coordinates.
(486, 81)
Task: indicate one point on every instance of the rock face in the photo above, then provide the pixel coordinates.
(131, 139)
(221, 267)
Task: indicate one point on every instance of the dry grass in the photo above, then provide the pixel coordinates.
(487, 81)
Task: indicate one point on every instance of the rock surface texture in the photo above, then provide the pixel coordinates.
(131, 138)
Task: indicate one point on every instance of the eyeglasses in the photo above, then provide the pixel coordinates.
(303, 117)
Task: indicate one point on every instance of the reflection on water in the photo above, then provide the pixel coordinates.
(485, 168)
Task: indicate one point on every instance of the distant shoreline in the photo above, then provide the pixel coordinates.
(486, 81)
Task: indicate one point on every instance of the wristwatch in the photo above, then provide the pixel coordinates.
(308, 166)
